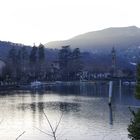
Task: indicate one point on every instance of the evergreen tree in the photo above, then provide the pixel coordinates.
(70, 63)
(12, 55)
(24, 58)
(33, 63)
(75, 64)
(12, 62)
(134, 127)
(138, 82)
(18, 64)
(41, 61)
(64, 56)
(41, 53)
(76, 56)
(64, 59)
(24, 63)
(33, 55)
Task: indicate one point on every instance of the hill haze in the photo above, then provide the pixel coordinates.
(120, 37)
(126, 41)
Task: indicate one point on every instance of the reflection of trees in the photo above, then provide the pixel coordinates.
(69, 107)
(37, 108)
(97, 89)
(59, 106)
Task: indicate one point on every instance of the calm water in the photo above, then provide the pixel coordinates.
(86, 114)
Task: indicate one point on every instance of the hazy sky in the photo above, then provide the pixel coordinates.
(35, 21)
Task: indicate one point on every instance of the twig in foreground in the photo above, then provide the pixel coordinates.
(20, 135)
(51, 127)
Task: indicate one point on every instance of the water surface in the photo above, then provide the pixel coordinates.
(86, 114)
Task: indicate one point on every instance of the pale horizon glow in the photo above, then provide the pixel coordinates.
(42, 21)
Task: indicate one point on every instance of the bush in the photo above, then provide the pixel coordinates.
(134, 127)
(137, 94)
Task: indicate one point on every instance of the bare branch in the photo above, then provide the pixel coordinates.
(20, 135)
(43, 132)
(53, 133)
(58, 123)
(48, 122)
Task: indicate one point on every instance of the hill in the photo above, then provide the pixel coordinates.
(126, 41)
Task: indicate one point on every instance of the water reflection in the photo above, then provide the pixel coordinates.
(40, 106)
(85, 108)
(110, 115)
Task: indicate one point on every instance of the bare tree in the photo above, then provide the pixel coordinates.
(53, 130)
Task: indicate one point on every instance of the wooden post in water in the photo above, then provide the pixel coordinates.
(120, 88)
(110, 115)
(110, 92)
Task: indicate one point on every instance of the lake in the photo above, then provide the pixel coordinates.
(86, 114)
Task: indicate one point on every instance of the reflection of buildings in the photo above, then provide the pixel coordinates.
(113, 66)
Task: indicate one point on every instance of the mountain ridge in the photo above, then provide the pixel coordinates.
(110, 36)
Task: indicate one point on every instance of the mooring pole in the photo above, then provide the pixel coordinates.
(120, 88)
(110, 115)
(110, 92)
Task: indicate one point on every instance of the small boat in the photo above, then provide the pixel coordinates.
(36, 84)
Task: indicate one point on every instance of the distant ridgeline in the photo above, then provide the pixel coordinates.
(98, 44)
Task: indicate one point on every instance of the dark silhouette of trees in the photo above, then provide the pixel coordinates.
(12, 62)
(134, 127)
(37, 62)
(33, 62)
(137, 94)
(18, 63)
(24, 63)
(70, 63)
(41, 61)
(64, 59)
(41, 53)
(76, 64)
(29, 64)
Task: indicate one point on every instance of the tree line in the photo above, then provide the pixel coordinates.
(26, 65)
(70, 63)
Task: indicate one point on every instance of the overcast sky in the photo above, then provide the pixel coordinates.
(41, 21)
